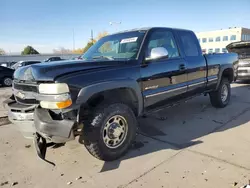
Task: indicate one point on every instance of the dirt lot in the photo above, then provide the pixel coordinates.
(4, 94)
(191, 145)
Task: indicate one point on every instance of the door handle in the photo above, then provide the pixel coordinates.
(182, 67)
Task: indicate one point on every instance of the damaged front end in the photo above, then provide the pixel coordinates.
(43, 112)
(242, 48)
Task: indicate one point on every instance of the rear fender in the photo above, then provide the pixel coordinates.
(222, 69)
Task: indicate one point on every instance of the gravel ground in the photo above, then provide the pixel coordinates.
(5, 93)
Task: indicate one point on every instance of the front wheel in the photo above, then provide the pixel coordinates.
(110, 131)
(221, 97)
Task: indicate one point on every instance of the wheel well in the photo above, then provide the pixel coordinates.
(229, 74)
(123, 95)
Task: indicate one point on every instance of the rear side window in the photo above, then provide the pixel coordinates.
(189, 43)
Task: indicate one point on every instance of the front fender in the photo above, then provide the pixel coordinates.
(88, 91)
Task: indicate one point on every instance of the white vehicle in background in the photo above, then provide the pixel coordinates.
(242, 48)
(4, 64)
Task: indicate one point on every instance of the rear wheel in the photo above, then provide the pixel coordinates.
(7, 81)
(110, 131)
(221, 97)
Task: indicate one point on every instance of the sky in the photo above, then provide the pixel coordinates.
(50, 24)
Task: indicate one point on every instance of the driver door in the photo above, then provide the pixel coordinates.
(165, 79)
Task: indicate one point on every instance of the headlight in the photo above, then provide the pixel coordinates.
(55, 88)
(54, 96)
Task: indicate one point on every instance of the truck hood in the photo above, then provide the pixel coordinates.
(242, 48)
(51, 70)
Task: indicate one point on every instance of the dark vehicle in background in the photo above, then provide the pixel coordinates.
(53, 59)
(121, 77)
(6, 75)
(243, 50)
(24, 63)
(8, 64)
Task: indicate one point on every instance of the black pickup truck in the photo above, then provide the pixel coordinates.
(121, 77)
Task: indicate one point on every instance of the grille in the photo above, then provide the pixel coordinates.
(244, 65)
(27, 101)
(25, 87)
(242, 71)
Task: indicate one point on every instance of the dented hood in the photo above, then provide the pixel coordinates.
(51, 70)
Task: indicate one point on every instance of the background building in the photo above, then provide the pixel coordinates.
(216, 41)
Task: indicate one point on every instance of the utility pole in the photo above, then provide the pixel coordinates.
(91, 37)
(73, 39)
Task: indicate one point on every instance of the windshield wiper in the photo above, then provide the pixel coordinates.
(103, 57)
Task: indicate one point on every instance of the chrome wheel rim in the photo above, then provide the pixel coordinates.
(115, 131)
(7, 81)
(224, 93)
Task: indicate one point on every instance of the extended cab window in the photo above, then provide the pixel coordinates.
(189, 43)
(163, 39)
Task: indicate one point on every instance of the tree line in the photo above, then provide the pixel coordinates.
(28, 50)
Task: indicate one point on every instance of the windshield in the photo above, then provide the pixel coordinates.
(122, 46)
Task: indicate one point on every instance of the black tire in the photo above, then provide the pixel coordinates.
(216, 96)
(6, 81)
(94, 129)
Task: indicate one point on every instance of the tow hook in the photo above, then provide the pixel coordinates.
(41, 147)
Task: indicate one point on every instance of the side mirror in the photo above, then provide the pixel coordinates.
(158, 53)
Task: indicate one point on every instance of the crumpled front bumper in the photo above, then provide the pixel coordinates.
(22, 116)
(31, 120)
(57, 131)
(39, 125)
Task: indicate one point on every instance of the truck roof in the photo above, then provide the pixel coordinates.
(148, 28)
